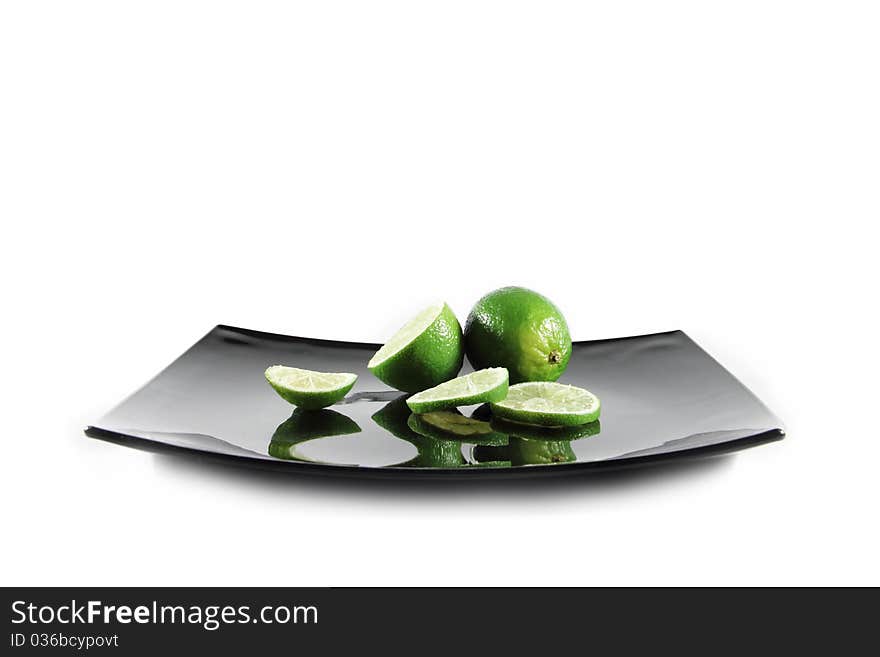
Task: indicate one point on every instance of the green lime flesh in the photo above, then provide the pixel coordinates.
(475, 388)
(426, 351)
(521, 330)
(309, 389)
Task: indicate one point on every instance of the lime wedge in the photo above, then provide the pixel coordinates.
(475, 388)
(426, 351)
(308, 389)
(548, 404)
(452, 425)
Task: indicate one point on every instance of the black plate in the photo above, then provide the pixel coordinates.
(662, 397)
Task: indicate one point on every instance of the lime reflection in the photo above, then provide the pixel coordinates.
(534, 432)
(452, 425)
(432, 453)
(305, 425)
(532, 445)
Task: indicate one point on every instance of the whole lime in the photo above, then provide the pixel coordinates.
(521, 330)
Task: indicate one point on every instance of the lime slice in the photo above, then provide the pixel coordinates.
(475, 388)
(452, 425)
(428, 350)
(308, 389)
(548, 404)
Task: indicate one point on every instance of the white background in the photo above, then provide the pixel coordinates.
(326, 168)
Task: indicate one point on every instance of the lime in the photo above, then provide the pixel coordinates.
(475, 388)
(428, 350)
(548, 404)
(523, 451)
(432, 453)
(534, 432)
(521, 330)
(308, 425)
(308, 389)
(450, 425)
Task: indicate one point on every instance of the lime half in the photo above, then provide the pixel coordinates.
(548, 404)
(426, 351)
(475, 388)
(308, 389)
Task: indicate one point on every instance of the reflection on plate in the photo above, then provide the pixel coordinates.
(452, 425)
(524, 451)
(432, 453)
(302, 426)
(533, 432)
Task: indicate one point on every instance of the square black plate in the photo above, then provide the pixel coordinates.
(662, 397)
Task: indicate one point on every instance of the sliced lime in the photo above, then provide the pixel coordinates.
(548, 404)
(475, 388)
(451, 425)
(426, 351)
(308, 389)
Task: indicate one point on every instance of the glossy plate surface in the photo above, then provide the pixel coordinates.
(662, 396)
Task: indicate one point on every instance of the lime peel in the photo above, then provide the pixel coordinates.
(521, 330)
